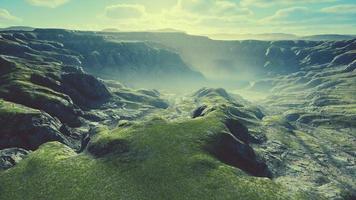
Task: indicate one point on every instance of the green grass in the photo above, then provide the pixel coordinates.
(161, 160)
(12, 114)
(13, 108)
(17, 77)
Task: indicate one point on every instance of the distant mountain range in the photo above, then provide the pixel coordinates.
(252, 36)
(17, 28)
(334, 37)
(164, 30)
(280, 36)
(265, 36)
(225, 36)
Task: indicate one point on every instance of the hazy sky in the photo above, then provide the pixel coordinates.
(301, 17)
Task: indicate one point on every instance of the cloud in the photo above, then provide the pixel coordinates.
(217, 8)
(341, 9)
(125, 11)
(200, 15)
(5, 16)
(307, 20)
(47, 3)
(214, 16)
(206, 15)
(265, 3)
(291, 14)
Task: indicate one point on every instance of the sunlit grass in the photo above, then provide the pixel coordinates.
(164, 160)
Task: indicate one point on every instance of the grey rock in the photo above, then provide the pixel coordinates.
(199, 111)
(28, 128)
(11, 156)
(85, 89)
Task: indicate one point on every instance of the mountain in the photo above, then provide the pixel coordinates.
(110, 30)
(265, 36)
(167, 30)
(280, 36)
(328, 37)
(17, 28)
(164, 30)
(72, 127)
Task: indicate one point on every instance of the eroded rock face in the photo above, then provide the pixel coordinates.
(27, 128)
(10, 157)
(230, 150)
(281, 60)
(84, 89)
(199, 111)
(131, 62)
(238, 130)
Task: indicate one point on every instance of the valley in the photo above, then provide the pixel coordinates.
(145, 115)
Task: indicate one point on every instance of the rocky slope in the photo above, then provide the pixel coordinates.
(244, 60)
(43, 99)
(135, 63)
(319, 102)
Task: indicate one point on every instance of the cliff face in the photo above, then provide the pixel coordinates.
(247, 60)
(133, 63)
(136, 63)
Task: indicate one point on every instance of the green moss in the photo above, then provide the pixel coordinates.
(17, 81)
(13, 108)
(139, 98)
(163, 160)
(12, 114)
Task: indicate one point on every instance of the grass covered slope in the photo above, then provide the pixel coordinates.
(152, 160)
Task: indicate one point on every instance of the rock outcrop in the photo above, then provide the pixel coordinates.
(27, 128)
(84, 89)
(46, 95)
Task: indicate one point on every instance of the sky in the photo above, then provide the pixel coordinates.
(301, 17)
